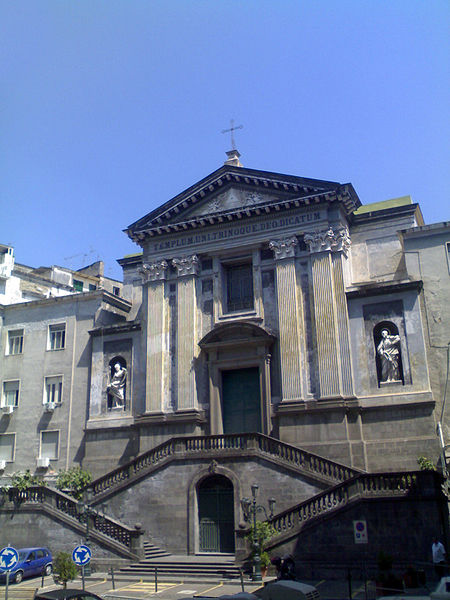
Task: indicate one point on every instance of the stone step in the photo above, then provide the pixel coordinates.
(192, 565)
(184, 570)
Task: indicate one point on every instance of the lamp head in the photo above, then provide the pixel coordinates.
(255, 488)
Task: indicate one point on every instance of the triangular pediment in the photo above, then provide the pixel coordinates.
(236, 192)
(232, 199)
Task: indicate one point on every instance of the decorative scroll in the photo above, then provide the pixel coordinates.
(284, 248)
(186, 265)
(154, 272)
(322, 241)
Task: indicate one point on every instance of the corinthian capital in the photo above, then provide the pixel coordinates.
(186, 265)
(153, 272)
(284, 248)
(322, 241)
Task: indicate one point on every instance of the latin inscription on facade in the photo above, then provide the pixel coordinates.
(240, 230)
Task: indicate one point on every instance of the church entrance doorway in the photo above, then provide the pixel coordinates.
(241, 401)
(216, 515)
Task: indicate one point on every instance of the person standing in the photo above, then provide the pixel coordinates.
(439, 554)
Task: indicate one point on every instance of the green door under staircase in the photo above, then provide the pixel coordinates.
(216, 515)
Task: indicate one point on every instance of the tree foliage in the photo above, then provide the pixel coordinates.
(73, 481)
(264, 532)
(23, 481)
(426, 464)
(64, 568)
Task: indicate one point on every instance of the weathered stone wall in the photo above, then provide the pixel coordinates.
(166, 501)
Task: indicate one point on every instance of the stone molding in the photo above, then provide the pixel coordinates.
(324, 241)
(186, 265)
(154, 272)
(284, 248)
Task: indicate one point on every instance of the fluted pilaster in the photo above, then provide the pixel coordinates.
(330, 307)
(289, 319)
(187, 331)
(157, 339)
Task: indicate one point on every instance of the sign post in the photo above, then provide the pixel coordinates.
(361, 537)
(9, 557)
(81, 556)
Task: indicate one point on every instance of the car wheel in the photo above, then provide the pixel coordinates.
(18, 576)
(48, 569)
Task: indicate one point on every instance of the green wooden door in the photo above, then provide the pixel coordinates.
(241, 403)
(216, 515)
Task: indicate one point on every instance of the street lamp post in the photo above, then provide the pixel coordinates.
(250, 508)
(86, 512)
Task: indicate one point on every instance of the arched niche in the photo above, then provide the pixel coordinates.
(388, 353)
(113, 401)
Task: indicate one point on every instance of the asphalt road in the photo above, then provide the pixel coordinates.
(177, 589)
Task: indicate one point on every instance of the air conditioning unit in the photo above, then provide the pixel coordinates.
(43, 463)
(2, 465)
(49, 406)
(7, 410)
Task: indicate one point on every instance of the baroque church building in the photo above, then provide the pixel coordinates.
(272, 330)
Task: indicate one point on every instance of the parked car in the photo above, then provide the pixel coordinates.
(32, 561)
(67, 594)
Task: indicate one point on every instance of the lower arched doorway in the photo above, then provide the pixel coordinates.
(216, 515)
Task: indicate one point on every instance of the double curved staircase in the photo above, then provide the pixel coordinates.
(344, 486)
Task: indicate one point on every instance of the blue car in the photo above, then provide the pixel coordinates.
(32, 561)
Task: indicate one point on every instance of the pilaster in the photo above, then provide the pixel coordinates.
(289, 319)
(156, 338)
(328, 249)
(187, 330)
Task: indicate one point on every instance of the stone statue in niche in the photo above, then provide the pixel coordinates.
(389, 353)
(116, 387)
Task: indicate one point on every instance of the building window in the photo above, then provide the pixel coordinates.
(15, 341)
(77, 285)
(116, 291)
(10, 395)
(53, 390)
(92, 287)
(49, 444)
(239, 280)
(7, 446)
(57, 336)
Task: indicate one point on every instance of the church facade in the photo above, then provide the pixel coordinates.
(272, 330)
(275, 304)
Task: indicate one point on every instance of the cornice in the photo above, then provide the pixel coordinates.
(303, 192)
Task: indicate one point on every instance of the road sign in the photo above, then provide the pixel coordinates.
(81, 555)
(9, 557)
(360, 532)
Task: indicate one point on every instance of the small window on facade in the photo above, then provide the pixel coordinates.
(77, 285)
(7, 446)
(266, 254)
(49, 444)
(57, 337)
(10, 394)
(92, 287)
(15, 341)
(116, 291)
(239, 280)
(206, 264)
(53, 390)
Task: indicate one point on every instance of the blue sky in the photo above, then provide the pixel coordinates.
(109, 108)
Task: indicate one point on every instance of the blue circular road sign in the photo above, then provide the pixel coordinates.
(81, 555)
(9, 557)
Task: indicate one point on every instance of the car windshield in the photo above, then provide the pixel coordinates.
(22, 555)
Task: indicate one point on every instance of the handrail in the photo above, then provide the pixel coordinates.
(101, 523)
(290, 455)
(362, 485)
